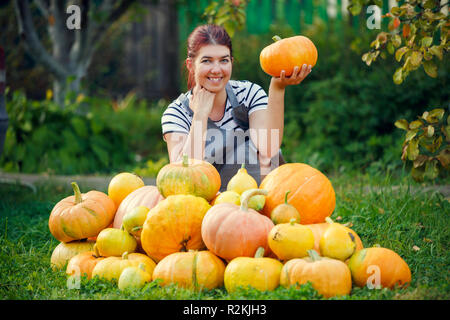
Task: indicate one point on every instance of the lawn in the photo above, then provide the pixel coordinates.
(406, 219)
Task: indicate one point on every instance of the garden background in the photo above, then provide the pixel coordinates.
(340, 120)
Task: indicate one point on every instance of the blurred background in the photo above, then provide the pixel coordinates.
(89, 100)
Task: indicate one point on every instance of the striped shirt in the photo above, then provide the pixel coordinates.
(176, 118)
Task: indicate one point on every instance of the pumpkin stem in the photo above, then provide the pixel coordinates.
(292, 221)
(185, 160)
(329, 220)
(245, 197)
(285, 197)
(77, 192)
(259, 252)
(314, 255)
(276, 38)
(125, 255)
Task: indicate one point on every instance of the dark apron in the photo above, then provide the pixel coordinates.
(227, 158)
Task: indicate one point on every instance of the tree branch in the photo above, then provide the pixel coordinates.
(31, 40)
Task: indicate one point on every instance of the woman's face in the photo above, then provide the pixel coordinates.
(212, 67)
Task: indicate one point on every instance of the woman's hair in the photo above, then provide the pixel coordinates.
(205, 35)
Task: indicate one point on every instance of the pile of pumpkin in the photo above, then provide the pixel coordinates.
(184, 231)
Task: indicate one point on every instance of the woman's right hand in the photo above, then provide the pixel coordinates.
(201, 101)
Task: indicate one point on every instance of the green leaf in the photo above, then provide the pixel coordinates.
(390, 48)
(396, 40)
(416, 124)
(402, 124)
(427, 41)
(413, 150)
(400, 52)
(430, 68)
(420, 161)
(431, 170)
(416, 58)
(355, 8)
(437, 51)
(410, 134)
(398, 79)
(437, 113)
(430, 131)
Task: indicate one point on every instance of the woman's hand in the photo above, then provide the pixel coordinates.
(297, 76)
(201, 101)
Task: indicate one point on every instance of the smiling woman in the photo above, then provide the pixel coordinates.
(226, 122)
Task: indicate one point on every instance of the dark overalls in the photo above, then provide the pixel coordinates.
(228, 149)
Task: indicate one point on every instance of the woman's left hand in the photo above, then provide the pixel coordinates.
(298, 75)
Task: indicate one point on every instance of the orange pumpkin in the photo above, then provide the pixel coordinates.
(230, 231)
(189, 176)
(81, 216)
(311, 192)
(174, 225)
(379, 266)
(287, 53)
(83, 263)
(147, 196)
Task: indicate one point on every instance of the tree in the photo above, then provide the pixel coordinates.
(75, 28)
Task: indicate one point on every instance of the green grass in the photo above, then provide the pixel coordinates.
(397, 219)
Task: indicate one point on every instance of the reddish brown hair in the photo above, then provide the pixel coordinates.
(202, 36)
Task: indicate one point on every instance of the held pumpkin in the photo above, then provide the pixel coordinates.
(230, 231)
(311, 192)
(84, 263)
(287, 53)
(379, 267)
(329, 277)
(189, 176)
(193, 269)
(81, 216)
(174, 225)
(147, 196)
(63, 252)
(122, 185)
(258, 272)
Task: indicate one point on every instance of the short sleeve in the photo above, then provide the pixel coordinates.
(255, 97)
(175, 119)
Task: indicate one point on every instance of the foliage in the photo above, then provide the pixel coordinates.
(91, 135)
(227, 13)
(425, 144)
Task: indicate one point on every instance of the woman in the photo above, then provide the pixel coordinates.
(223, 121)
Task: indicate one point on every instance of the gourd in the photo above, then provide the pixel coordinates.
(122, 185)
(230, 231)
(193, 269)
(241, 181)
(134, 220)
(174, 225)
(63, 252)
(228, 197)
(311, 192)
(189, 176)
(284, 212)
(337, 241)
(114, 242)
(285, 54)
(134, 277)
(258, 272)
(81, 216)
(330, 277)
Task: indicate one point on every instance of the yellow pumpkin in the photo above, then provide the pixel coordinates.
(114, 242)
(134, 220)
(290, 240)
(258, 272)
(284, 212)
(337, 241)
(228, 197)
(122, 184)
(134, 277)
(241, 181)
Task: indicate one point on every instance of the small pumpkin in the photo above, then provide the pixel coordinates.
(241, 181)
(285, 54)
(255, 202)
(110, 268)
(230, 231)
(382, 266)
(81, 216)
(290, 240)
(189, 176)
(174, 225)
(122, 185)
(330, 277)
(63, 252)
(114, 242)
(228, 197)
(337, 241)
(284, 212)
(83, 263)
(193, 269)
(134, 277)
(258, 272)
(147, 196)
(311, 192)
(134, 220)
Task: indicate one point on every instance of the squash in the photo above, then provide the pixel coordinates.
(134, 277)
(174, 225)
(241, 181)
(311, 192)
(193, 269)
(114, 242)
(230, 231)
(379, 267)
(258, 272)
(337, 242)
(284, 212)
(134, 220)
(227, 197)
(81, 216)
(285, 54)
(290, 240)
(189, 176)
(63, 252)
(122, 185)
(83, 263)
(147, 196)
(329, 277)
